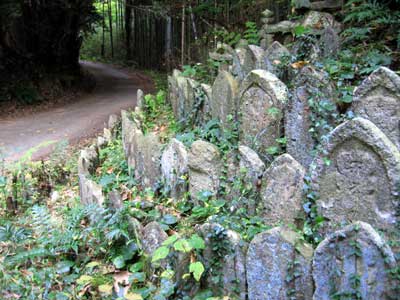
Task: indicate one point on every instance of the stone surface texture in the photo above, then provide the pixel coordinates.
(378, 100)
(233, 264)
(224, 92)
(307, 83)
(356, 251)
(262, 99)
(281, 191)
(153, 237)
(273, 257)
(204, 168)
(174, 167)
(359, 177)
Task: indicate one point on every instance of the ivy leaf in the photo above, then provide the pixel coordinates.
(160, 253)
(119, 262)
(197, 242)
(169, 241)
(169, 219)
(197, 269)
(135, 296)
(84, 279)
(183, 245)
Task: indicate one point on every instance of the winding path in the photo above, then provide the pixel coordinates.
(115, 90)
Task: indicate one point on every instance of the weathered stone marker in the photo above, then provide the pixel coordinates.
(353, 263)
(130, 135)
(273, 57)
(153, 237)
(232, 265)
(88, 161)
(147, 157)
(90, 192)
(204, 168)
(309, 83)
(262, 98)
(174, 166)
(378, 100)
(224, 92)
(359, 177)
(243, 62)
(281, 191)
(278, 266)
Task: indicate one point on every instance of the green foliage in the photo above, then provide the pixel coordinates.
(251, 33)
(202, 72)
(371, 20)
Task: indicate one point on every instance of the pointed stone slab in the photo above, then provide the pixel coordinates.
(378, 100)
(243, 62)
(174, 166)
(88, 161)
(204, 169)
(273, 56)
(262, 99)
(356, 252)
(224, 92)
(278, 266)
(281, 191)
(90, 192)
(358, 179)
(131, 133)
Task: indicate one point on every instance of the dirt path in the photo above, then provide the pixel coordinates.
(115, 90)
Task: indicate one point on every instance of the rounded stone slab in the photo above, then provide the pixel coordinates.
(356, 252)
(262, 98)
(358, 179)
(204, 168)
(378, 100)
(153, 237)
(174, 165)
(282, 191)
(278, 266)
(224, 91)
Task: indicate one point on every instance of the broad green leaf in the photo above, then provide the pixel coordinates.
(84, 279)
(160, 253)
(105, 289)
(197, 242)
(183, 245)
(197, 269)
(92, 264)
(169, 219)
(119, 262)
(170, 240)
(136, 267)
(168, 274)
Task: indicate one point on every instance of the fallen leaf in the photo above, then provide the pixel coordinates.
(299, 64)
